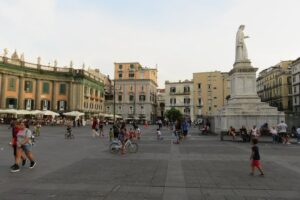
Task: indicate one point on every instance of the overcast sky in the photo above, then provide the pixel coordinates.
(179, 36)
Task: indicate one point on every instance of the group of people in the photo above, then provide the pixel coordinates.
(180, 130)
(22, 145)
(120, 132)
(279, 133)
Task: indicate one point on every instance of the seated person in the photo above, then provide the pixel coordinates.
(205, 129)
(244, 134)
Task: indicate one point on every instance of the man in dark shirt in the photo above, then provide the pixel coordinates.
(255, 158)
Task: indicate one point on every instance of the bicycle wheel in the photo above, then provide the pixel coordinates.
(133, 147)
(113, 148)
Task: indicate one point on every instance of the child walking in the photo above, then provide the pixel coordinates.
(255, 158)
(158, 134)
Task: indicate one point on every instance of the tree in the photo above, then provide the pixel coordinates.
(173, 114)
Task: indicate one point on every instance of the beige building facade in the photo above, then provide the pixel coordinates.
(31, 86)
(274, 86)
(295, 68)
(210, 92)
(179, 95)
(161, 97)
(135, 89)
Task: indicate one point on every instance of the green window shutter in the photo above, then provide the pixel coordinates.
(45, 88)
(62, 89)
(11, 84)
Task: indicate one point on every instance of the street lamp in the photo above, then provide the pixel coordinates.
(114, 96)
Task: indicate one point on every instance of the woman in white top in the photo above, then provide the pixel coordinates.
(254, 132)
(274, 134)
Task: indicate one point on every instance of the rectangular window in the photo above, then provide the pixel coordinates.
(208, 86)
(45, 88)
(199, 85)
(120, 75)
(131, 74)
(11, 84)
(172, 89)
(28, 86)
(131, 97)
(142, 98)
(62, 88)
(199, 101)
(120, 97)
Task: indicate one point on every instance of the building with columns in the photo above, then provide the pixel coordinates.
(31, 86)
(135, 92)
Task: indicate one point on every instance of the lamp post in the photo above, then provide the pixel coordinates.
(114, 109)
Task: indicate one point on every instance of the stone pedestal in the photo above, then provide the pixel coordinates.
(244, 106)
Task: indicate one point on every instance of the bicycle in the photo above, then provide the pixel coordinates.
(130, 146)
(69, 134)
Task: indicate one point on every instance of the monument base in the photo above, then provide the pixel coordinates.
(246, 112)
(244, 107)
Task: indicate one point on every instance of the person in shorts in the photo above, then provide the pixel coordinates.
(255, 158)
(282, 132)
(158, 134)
(23, 145)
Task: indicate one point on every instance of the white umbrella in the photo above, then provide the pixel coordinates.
(119, 117)
(9, 111)
(23, 112)
(74, 114)
(49, 112)
(36, 112)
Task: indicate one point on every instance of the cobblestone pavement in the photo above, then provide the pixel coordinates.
(201, 167)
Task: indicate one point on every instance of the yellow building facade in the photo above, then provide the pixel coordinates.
(274, 86)
(210, 92)
(31, 86)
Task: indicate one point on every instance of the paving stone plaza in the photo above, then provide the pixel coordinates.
(201, 167)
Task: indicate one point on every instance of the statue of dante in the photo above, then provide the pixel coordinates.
(241, 53)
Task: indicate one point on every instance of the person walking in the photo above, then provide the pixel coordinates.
(282, 131)
(231, 132)
(94, 127)
(101, 125)
(274, 133)
(185, 128)
(255, 158)
(177, 131)
(122, 137)
(15, 129)
(298, 135)
(23, 145)
(158, 134)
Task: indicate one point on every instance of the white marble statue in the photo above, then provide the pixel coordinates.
(71, 64)
(241, 53)
(55, 63)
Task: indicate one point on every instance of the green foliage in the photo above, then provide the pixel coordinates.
(173, 114)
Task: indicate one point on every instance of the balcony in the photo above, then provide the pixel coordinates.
(180, 93)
